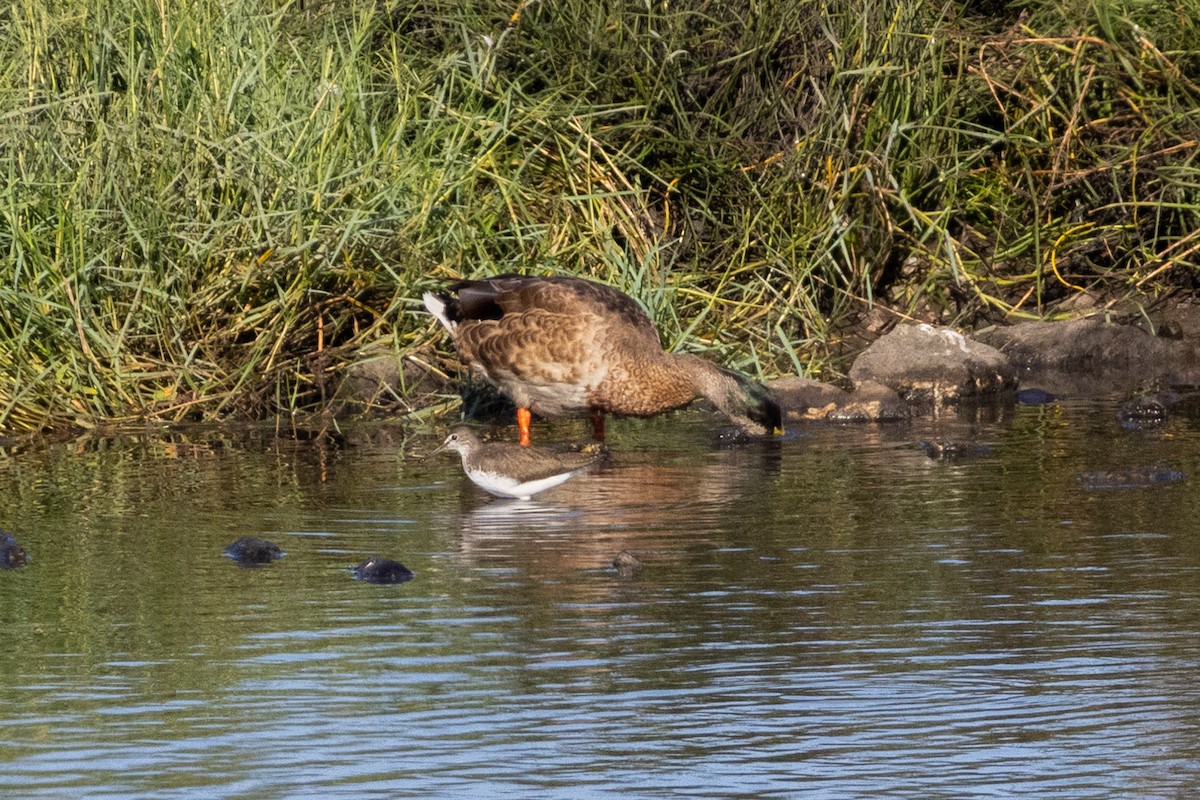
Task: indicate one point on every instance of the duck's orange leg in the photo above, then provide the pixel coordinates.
(598, 426)
(523, 417)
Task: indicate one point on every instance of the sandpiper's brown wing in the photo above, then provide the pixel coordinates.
(529, 463)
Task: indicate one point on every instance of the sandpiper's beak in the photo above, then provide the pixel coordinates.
(441, 448)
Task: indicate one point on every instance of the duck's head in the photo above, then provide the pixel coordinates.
(748, 404)
(755, 408)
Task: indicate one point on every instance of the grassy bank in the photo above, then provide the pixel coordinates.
(210, 206)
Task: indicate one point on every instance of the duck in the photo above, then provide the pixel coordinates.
(509, 470)
(568, 346)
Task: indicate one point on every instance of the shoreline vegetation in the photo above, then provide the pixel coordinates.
(217, 209)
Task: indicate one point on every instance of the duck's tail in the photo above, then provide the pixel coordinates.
(436, 304)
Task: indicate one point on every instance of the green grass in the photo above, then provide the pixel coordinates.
(209, 207)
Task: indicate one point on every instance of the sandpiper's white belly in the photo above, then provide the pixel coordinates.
(507, 486)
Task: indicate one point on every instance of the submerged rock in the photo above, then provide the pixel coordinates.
(950, 450)
(1134, 478)
(1146, 411)
(250, 551)
(382, 570)
(626, 563)
(11, 553)
(928, 365)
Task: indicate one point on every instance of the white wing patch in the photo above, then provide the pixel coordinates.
(437, 307)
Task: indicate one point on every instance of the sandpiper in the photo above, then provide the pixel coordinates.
(510, 470)
(561, 346)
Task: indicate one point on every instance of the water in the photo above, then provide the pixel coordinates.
(835, 615)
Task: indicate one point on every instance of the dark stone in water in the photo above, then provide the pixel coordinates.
(1087, 345)
(1146, 411)
(1135, 478)
(382, 570)
(250, 551)
(1036, 397)
(951, 450)
(11, 553)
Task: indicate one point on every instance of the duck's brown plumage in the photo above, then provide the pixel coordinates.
(563, 346)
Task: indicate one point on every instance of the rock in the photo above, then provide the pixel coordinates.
(1135, 478)
(939, 366)
(1178, 320)
(382, 570)
(807, 400)
(626, 564)
(250, 551)
(871, 402)
(950, 450)
(11, 553)
(804, 399)
(1101, 357)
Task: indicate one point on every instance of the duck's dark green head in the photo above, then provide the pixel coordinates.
(761, 407)
(749, 404)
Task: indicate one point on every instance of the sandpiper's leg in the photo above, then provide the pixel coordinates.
(523, 417)
(598, 426)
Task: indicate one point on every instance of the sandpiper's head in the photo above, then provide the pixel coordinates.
(460, 440)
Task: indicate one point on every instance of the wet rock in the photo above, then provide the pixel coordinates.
(807, 400)
(871, 402)
(250, 551)
(1135, 478)
(1185, 377)
(382, 570)
(804, 399)
(626, 564)
(938, 366)
(951, 450)
(1102, 356)
(11, 553)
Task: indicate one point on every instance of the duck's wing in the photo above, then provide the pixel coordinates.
(495, 298)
